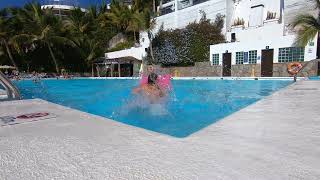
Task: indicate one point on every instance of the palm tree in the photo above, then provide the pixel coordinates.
(119, 15)
(5, 35)
(41, 27)
(151, 36)
(87, 32)
(136, 23)
(77, 25)
(308, 26)
(92, 49)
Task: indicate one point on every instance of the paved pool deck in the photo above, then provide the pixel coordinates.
(276, 138)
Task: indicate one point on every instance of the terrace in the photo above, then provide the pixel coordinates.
(271, 139)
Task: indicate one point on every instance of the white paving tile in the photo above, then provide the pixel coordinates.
(275, 138)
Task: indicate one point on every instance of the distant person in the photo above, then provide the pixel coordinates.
(35, 77)
(67, 76)
(16, 75)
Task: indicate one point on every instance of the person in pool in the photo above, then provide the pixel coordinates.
(150, 69)
(151, 90)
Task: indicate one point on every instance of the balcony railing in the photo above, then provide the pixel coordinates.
(182, 4)
(60, 2)
(166, 10)
(166, 1)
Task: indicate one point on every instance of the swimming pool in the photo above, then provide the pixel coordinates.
(192, 105)
(314, 78)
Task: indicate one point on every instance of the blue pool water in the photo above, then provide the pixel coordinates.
(315, 78)
(191, 106)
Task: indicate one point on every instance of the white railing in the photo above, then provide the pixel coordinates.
(61, 2)
(12, 91)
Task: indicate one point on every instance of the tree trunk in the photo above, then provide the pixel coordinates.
(53, 58)
(151, 48)
(154, 6)
(10, 55)
(92, 70)
(119, 70)
(134, 36)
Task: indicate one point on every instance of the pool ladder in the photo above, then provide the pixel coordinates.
(11, 90)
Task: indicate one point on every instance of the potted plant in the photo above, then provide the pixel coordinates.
(271, 17)
(238, 23)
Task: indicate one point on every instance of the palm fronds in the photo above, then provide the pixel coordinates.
(307, 27)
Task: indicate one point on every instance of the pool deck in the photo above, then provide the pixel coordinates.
(275, 138)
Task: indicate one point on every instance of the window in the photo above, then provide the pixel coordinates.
(166, 10)
(215, 59)
(166, 1)
(233, 37)
(290, 54)
(239, 57)
(198, 1)
(253, 57)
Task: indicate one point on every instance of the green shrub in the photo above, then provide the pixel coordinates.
(181, 47)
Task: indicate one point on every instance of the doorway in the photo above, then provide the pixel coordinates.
(267, 63)
(226, 64)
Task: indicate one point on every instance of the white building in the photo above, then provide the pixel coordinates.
(61, 7)
(260, 33)
(179, 13)
(175, 14)
(138, 52)
(256, 31)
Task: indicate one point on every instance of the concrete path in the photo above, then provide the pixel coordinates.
(276, 138)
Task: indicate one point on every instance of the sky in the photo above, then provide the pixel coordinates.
(8, 3)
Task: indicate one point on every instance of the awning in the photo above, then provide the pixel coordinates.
(6, 67)
(122, 60)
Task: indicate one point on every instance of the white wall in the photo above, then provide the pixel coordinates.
(256, 44)
(137, 53)
(177, 19)
(272, 33)
(183, 17)
(270, 30)
(243, 10)
(62, 7)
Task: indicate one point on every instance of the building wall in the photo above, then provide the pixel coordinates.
(256, 44)
(199, 69)
(203, 69)
(60, 7)
(310, 69)
(246, 70)
(136, 52)
(273, 33)
(244, 9)
(181, 18)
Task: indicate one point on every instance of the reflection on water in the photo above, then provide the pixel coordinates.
(191, 106)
